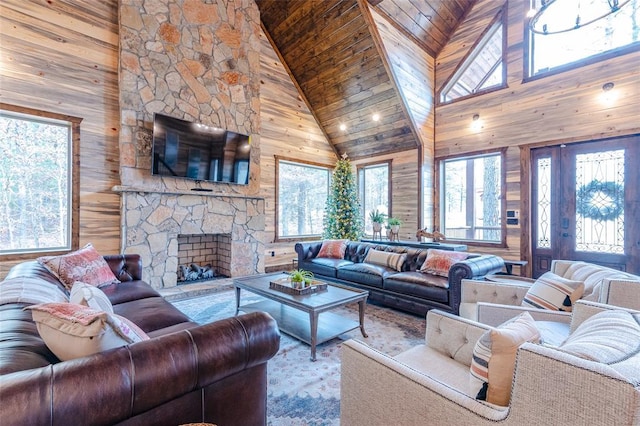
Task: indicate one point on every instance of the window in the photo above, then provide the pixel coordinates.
(483, 69)
(471, 196)
(302, 195)
(38, 191)
(589, 43)
(373, 186)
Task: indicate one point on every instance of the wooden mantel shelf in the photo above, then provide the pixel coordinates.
(202, 193)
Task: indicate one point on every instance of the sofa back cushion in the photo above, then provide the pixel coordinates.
(592, 276)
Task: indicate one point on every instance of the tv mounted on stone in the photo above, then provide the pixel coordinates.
(187, 150)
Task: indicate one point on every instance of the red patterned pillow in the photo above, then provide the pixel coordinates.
(438, 262)
(85, 265)
(333, 249)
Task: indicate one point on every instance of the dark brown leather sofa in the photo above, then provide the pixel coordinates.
(185, 373)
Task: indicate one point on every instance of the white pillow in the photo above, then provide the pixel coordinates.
(91, 296)
(73, 331)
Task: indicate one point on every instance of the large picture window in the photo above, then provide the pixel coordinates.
(471, 196)
(302, 195)
(36, 179)
(564, 46)
(373, 186)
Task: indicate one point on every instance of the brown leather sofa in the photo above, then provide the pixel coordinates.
(186, 373)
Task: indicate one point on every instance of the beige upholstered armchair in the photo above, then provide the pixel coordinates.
(430, 383)
(493, 303)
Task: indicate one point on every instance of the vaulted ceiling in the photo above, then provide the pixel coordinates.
(335, 55)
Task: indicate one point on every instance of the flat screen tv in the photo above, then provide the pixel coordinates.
(183, 149)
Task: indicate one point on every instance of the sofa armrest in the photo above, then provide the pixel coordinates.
(114, 385)
(474, 291)
(307, 250)
(495, 314)
(126, 267)
(620, 292)
(472, 268)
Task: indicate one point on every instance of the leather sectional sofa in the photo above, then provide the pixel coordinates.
(185, 373)
(408, 289)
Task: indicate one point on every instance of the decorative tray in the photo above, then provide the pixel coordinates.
(284, 285)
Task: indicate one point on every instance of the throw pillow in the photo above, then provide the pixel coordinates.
(91, 296)
(73, 331)
(553, 292)
(607, 337)
(333, 249)
(494, 358)
(438, 262)
(385, 258)
(86, 265)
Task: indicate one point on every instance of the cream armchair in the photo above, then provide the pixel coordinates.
(429, 384)
(493, 303)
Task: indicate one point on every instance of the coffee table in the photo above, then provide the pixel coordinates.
(299, 315)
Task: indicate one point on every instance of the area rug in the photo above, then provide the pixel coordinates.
(302, 392)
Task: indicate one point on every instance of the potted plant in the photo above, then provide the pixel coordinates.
(394, 223)
(300, 278)
(377, 219)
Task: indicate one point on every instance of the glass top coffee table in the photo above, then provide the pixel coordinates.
(299, 315)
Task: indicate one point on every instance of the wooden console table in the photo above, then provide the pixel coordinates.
(415, 244)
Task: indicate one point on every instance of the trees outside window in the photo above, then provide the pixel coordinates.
(373, 185)
(471, 194)
(36, 183)
(302, 193)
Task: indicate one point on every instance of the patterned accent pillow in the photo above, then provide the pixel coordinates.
(607, 337)
(91, 296)
(73, 331)
(86, 265)
(385, 258)
(333, 249)
(494, 358)
(438, 262)
(553, 292)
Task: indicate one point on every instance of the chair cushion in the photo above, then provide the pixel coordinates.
(553, 292)
(607, 337)
(385, 258)
(438, 262)
(494, 358)
(333, 249)
(73, 331)
(86, 265)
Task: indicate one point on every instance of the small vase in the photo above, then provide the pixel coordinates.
(377, 227)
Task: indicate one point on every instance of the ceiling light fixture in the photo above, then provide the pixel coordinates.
(608, 95)
(375, 117)
(343, 127)
(559, 16)
(476, 123)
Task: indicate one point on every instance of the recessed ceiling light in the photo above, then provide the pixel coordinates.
(375, 117)
(343, 127)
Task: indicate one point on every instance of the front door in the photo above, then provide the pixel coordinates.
(586, 204)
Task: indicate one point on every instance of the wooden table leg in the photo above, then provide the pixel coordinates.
(237, 300)
(361, 305)
(313, 320)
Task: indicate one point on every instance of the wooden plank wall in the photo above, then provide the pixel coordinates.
(287, 130)
(561, 108)
(63, 58)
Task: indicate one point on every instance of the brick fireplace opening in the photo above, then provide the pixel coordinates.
(203, 257)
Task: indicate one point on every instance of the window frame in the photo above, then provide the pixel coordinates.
(277, 238)
(74, 175)
(362, 167)
(501, 17)
(528, 47)
(440, 162)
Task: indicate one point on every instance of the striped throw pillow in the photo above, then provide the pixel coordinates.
(385, 258)
(553, 292)
(494, 358)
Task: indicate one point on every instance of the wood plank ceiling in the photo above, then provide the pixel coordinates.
(331, 50)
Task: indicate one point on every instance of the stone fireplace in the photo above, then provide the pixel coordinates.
(152, 223)
(210, 252)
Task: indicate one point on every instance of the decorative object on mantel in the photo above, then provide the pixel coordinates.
(436, 236)
(342, 213)
(569, 16)
(298, 282)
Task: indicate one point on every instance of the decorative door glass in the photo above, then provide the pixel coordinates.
(544, 203)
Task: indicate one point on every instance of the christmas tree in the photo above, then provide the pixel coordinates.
(342, 215)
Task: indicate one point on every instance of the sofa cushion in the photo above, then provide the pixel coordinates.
(74, 331)
(438, 262)
(494, 358)
(607, 337)
(425, 286)
(385, 258)
(151, 313)
(553, 292)
(91, 296)
(592, 275)
(333, 249)
(364, 273)
(86, 265)
(325, 266)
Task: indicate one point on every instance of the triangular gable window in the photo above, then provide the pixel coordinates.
(482, 69)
